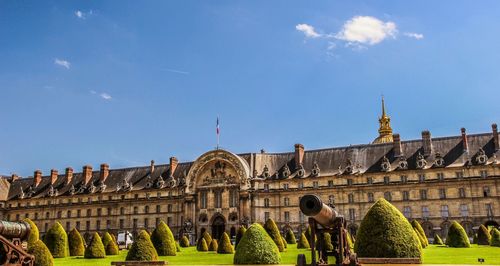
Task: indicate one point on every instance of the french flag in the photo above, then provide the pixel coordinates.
(217, 129)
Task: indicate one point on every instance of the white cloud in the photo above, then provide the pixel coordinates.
(105, 96)
(62, 63)
(308, 30)
(414, 35)
(93, 92)
(82, 14)
(366, 30)
(79, 14)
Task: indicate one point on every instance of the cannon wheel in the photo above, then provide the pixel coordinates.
(301, 260)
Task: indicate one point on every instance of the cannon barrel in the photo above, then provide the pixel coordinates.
(312, 206)
(11, 230)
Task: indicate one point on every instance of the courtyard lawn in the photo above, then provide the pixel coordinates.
(189, 256)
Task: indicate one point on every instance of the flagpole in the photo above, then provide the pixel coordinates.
(218, 132)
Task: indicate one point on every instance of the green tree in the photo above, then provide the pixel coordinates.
(256, 247)
(202, 245)
(457, 238)
(110, 245)
(437, 240)
(34, 233)
(303, 243)
(213, 245)
(75, 241)
(225, 246)
(96, 249)
(483, 236)
(142, 249)
(184, 242)
(41, 253)
(56, 240)
(495, 238)
(420, 233)
(274, 233)
(239, 235)
(386, 233)
(290, 237)
(163, 240)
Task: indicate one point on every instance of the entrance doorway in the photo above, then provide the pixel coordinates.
(218, 227)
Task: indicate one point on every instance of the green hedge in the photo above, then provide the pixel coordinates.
(303, 243)
(385, 233)
(184, 242)
(142, 249)
(110, 245)
(41, 253)
(75, 241)
(457, 238)
(420, 233)
(56, 240)
(437, 240)
(34, 233)
(483, 236)
(96, 249)
(290, 237)
(495, 238)
(239, 235)
(163, 240)
(225, 246)
(274, 233)
(256, 247)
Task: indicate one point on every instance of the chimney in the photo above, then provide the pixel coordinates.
(104, 172)
(53, 176)
(69, 175)
(495, 137)
(37, 178)
(427, 142)
(464, 140)
(14, 177)
(299, 154)
(173, 165)
(152, 169)
(87, 174)
(398, 151)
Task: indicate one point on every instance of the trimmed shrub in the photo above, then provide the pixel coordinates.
(41, 253)
(327, 241)
(110, 245)
(163, 240)
(225, 246)
(56, 240)
(239, 235)
(177, 247)
(284, 242)
(202, 245)
(274, 233)
(495, 238)
(207, 237)
(308, 235)
(420, 239)
(386, 233)
(256, 247)
(420, 233)
(303, 243)
(213, 245)
(483, 236)
(350, 242)
(184, 242)
(457, 238)
(75, 241)
(34, 233)
(96, 249)
(437, 240)
(290, 237)
(142, 249)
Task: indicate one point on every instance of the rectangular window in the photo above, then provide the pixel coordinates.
(442, 193)
(287, 217)
(285, 186)
(486, 192)
(423, 194)
(464, 210)
(233, 198)
(157, 222)
(89, 212)
(388, 196)
(146, 209)
(350, 198)
(98, 225)
(266, 187)
(330, 183)
(421, 177)
(169, 208)
(370, 197)
(169, 221)
(489, 210)
(301, 217)
(459, 174)
(387, 180)
(218, 199)
(108, 224)
(406, 195)
(407, 211)
(59, 214)
(425, 212)
(122, 211)
(203, 199)
(135, 223)
(266, 203)
(266, 216)
(483, 173)
(315, 184)
(440, 176)
(286, 202)
(461, 192)
(404, 179)
(136, 210)
(445, 213)
(99, 211)
(146, 223)
(301, 185)
(77, 225)
(122, 223)
(331, 199)
(369, 180)
(158, 208)
(349, 182)
(87, 225)
(352, 214)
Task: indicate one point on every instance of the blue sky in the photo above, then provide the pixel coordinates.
(123, 82)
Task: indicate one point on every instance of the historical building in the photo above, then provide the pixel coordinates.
(433, 180)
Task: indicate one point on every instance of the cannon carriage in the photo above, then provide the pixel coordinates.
(12, 251)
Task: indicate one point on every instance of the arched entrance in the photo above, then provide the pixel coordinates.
(218, 227)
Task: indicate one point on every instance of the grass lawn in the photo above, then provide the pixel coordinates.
(189, 256)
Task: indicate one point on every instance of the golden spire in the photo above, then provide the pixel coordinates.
(385, 130)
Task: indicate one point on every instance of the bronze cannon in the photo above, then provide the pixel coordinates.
(12, 235)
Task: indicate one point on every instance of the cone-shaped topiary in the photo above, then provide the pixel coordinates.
(202, 245)
(177, 247)
(56, 240)
(308, 235)
(96, 249)
(350, 242)
(420, 239)
(290, 237)
(239, 235)
(75, 241)
(483, 236)
(225, 246)
(284, 242)
(386, 233)
(184, 242)
(41, 253)
(34, 233)
(163, 240)
(327, 238)
(256, 247)
(110, 245)
(420, 233)
(437, 240)
(274, 233)
(303, 243)
(495, 238)
(207, 237)
(457, 238)
(142, 249)
(213, 245)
